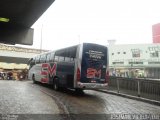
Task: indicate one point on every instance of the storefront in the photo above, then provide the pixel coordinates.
(13, 71)
(128, 72)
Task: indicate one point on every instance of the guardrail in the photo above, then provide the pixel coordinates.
(141, 87)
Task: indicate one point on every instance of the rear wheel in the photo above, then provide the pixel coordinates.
(55, 84)
(79, 91)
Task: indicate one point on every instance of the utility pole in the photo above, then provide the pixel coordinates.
(41, 38)
(79, 39)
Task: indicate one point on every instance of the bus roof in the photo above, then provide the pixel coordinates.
(68, 52)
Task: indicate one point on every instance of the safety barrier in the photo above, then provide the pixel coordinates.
(141, 87)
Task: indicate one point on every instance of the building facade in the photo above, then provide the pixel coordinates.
(135, 60)
(156, 33)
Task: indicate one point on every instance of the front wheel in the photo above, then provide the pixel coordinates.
(33, 79)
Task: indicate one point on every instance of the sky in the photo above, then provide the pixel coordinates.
(70, 22)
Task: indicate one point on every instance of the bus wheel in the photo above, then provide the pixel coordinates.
(55, 84)
(33, 78)
(79, 91)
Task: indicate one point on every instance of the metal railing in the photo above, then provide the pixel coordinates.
(141, 87)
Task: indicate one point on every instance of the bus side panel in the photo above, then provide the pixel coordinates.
(38, 75)
(36, 72)
(65, 73)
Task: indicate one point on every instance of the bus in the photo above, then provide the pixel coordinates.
(79, 67)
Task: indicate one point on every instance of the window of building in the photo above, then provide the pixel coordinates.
(153, 62)
(135, 52)
(154, 54)
(135, 55)
(135, 62)
(118, 52)
(154, 48)
(124, 52)
(117, 63)
(112, 53)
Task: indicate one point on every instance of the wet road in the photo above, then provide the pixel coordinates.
(24, 102)
(22, 98)
(27, 98)
(94, 102)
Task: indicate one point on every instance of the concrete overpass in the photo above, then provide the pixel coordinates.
(12, 54)
(16, 18)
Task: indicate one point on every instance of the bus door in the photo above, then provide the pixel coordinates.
(94, 63)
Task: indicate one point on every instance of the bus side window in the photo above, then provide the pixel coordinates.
(48, 57)
(51, 57)
(56, 58)
(67, 59)
(72, 59)
(37, 59)
(61, 58)
(40, 59)
(43, 58)
(32, 63)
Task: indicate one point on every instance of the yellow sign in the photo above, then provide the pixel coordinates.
(4, 19)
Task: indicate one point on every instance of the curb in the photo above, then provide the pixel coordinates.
(154, 102)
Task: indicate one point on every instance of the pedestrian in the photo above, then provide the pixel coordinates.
(9, 75)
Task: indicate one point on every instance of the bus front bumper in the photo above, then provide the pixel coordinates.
(92, 85)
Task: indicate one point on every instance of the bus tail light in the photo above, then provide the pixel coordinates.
(78, 75)
(107, 77)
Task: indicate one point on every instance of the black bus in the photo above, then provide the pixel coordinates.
(83, 66)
